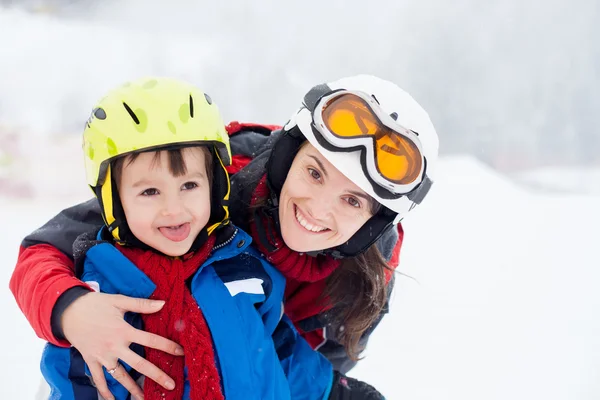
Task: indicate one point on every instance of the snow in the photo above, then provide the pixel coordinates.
(19, 366)
(503, 303)
(566, 179)
(57, 82)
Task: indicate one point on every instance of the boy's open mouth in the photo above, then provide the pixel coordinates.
(176, 233)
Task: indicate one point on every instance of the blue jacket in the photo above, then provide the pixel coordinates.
(259, 354)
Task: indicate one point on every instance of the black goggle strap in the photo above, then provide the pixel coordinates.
(315, 94)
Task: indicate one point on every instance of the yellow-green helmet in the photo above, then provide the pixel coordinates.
(153, 114)
(146, 114)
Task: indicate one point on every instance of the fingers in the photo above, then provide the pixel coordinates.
(155, 341)
(99, 381)
(144, 306)
(150, 370)
(128, 383)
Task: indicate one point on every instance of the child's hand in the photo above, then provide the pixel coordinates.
(94, 325)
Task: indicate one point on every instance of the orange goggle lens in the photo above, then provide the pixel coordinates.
(398, 158)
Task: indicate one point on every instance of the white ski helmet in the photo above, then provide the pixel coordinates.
(374, 133)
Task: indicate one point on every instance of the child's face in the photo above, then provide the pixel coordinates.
(163, 211)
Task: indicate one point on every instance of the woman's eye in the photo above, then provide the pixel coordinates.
(190, 185)
(150, 192)
(314, 173)
(353, 202)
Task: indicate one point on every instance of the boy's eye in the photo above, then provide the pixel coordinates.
(314, 173)
(150, 192)
(190, 185)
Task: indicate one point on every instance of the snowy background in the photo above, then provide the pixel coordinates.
(504, 302)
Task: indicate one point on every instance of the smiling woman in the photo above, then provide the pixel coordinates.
(332, 188)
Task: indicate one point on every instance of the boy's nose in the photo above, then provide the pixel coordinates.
(172, 206)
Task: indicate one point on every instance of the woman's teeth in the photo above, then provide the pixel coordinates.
(307, 225)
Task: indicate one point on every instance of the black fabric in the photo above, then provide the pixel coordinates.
(64, 301)
(249, 143)
(377, 226)
(83, 243)
(62, 230)
(345, 388)
(284, 340)
(282, 156)
(245, 181)
(314, 95)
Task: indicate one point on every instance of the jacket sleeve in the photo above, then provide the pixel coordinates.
(389, 245)
(309, 373)
(62, 230)
(42, 275)
(44, 272)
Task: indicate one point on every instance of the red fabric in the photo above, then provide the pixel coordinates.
(234, 127)
(314, 338)
(237, 163)
(42, 274)
(180, 320)
(395, 259)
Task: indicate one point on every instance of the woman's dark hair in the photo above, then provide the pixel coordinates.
(358, 292)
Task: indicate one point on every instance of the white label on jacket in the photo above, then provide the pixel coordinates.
(94, 285)
(252, 286)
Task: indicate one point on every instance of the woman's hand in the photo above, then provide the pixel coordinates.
(95, 326)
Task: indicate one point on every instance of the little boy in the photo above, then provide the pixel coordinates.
(155, 154)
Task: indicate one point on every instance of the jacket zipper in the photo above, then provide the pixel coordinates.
(227, 241)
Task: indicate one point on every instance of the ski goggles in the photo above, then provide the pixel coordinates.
(391, 154)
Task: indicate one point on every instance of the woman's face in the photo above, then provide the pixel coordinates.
(319, 208)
